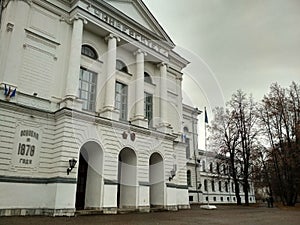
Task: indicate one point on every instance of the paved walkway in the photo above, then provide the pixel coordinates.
(224, 215)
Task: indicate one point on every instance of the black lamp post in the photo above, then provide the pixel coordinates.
(72, 163)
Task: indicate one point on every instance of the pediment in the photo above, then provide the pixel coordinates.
(137, 11)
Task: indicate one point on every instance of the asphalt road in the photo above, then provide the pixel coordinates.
(223, 215)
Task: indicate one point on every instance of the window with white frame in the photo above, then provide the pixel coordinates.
(88, 89)
(148, 108)
(121, 102)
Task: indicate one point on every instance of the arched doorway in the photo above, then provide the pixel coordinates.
(156, 180)
(127, 179)
(89, 177)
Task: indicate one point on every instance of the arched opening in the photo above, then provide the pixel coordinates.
(121, 66)
(89, 177)
(127, 179)
(156, 180)
(147, 78)
(88, 51)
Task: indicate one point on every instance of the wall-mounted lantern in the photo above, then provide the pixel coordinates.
(72, 163)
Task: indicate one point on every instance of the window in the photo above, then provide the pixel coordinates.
(206, 199)
(191, 198)
(205, 185)
(232, 187)
(213, 185)
(218, 168)
(220, 185)
(211, 167)
(87, 89)
(189, 178)
(228, 199)
(121, 66)
(187, 149)
(148, 108)
(203, 166)
(221, 198)
(147, 78)
(89, 52)
(215, 199)
(226, 186)
(121, 99)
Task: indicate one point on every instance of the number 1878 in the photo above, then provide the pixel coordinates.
(26, 149)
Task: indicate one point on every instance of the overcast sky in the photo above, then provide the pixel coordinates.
(232, 44)
(236, 44)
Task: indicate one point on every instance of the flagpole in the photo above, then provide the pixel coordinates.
(205, 145)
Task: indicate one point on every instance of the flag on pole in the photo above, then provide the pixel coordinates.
(205, 115)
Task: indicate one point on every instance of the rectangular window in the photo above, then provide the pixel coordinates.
(148, 108)
(88, 89)
(121, 99)
(213, 185)
(187, 149)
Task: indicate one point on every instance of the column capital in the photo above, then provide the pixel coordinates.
(139, 51)
(111, 36)
(159, 65)
(78, 17)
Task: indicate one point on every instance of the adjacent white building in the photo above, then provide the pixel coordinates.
(208, 179)
(95, 83)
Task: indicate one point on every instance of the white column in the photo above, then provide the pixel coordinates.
(139, 117)
(109, 101)
(72, 83)
(163, 92)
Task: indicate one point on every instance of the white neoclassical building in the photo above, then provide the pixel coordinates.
(90, 109)
(208, 178)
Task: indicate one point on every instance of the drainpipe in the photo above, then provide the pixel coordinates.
(194, 148)
(1, 8)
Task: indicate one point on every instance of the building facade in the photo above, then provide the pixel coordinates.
(90, 109)
(208, 179)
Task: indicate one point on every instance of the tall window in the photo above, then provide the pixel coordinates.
(205, 185)
(189, 178)
(148, 108)
(187, 149)
(121, 99)
(203, 166)
(211, 167)
(220, 185)
(213, 185)
(87, 89)
(226, 186)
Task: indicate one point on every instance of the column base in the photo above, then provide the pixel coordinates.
(140, 121)
(71, 102)
(145, 209)
(110, 210)
(110, 113)
(165, 128)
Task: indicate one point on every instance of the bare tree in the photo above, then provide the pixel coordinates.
(280, 118)
(233, 133)
(225, 140)
(245, 117)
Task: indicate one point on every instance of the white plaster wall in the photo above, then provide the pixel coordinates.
(171, 196)
(58, 196)
(182, 197)
(144, 196)
(110, 196)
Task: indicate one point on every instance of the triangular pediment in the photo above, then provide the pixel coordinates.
(138, 12)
